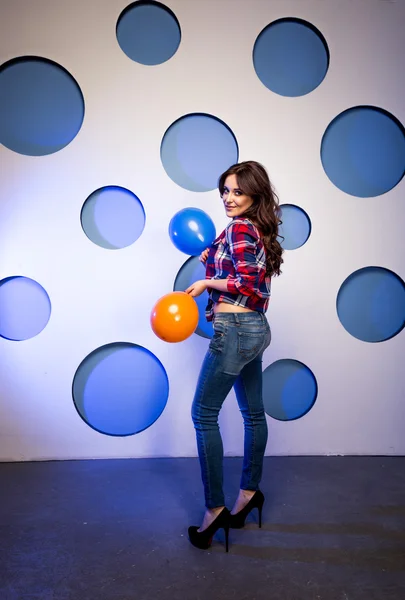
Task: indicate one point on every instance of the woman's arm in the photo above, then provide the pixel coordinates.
(198, 287)
(242, 242)
(217, 284)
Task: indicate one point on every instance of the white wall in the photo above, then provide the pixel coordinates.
(99, 296)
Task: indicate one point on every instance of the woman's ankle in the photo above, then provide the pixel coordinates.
(210, 516)
(246, 494)
(243, 498)
(215, 511)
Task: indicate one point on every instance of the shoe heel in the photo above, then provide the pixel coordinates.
(260, 508)
(237, 520)
(226, 529)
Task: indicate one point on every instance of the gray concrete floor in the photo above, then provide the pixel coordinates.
(334, 528)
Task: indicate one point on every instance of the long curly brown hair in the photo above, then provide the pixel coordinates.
(265, 212)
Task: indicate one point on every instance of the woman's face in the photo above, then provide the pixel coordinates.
(236, 203)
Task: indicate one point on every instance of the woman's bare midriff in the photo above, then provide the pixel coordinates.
(226, 307)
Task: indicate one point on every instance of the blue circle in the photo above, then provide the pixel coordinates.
(289, 389)
(25, 308)
(193, 270)
(371, 304)
(196, 149)
(291, 57)
(41, 106)
(363, 151)
(148, 32)
(295, 227)
(120, 389)
(113, 217)
(192, 231)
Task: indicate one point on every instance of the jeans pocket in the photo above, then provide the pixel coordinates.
(250, 344)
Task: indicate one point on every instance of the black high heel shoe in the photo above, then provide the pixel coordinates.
(203, 539)
(237, 521)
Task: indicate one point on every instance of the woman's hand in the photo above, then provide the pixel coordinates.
(204, 255)
(197, 288)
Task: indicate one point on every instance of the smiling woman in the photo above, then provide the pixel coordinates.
(239, 266)
(244, 257)
(235, 201)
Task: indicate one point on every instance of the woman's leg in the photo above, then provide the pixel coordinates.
(212, 388)
(237, 339)
(248, 388)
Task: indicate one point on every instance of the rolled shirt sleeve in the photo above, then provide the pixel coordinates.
(242, 241)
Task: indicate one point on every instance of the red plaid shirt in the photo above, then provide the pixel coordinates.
(238, 255)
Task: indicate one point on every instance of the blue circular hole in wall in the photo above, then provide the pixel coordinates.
(25, 308)
(191, 271)
(148, 32)
(289, 389)
(41, 106)
(371, 304)
(363, 151)
(113, 217)
(196, 149)
(291, 57)
(120, 389)
(296, 227)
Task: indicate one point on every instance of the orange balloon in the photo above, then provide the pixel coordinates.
(174, 317)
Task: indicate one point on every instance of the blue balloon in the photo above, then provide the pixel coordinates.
(192, 231)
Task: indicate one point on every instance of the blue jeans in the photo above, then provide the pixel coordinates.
(234, 357)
